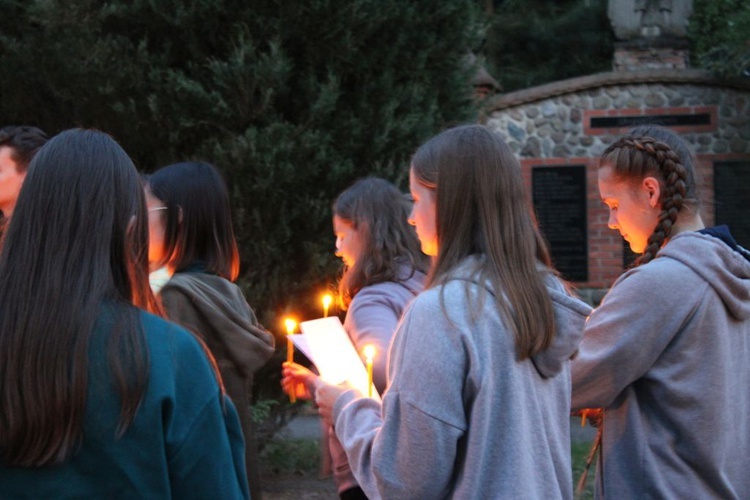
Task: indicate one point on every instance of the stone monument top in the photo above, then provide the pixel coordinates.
(649, 18)
(651, 34)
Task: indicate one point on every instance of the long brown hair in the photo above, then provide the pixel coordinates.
(654, 151)
(389, 246)
(482, 209)
(75, 252)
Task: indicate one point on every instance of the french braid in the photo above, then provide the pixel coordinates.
(634, 157)
(637, 157)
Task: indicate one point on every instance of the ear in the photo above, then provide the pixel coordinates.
(653, 190)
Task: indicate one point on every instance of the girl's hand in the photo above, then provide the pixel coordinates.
(298, 380)
(593, 415)
(325, 397)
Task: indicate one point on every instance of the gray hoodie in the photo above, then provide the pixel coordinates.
(462, 417)
(371, 319)
(667, 354)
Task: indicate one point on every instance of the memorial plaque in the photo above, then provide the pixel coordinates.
(731, 194)
(677, 120)
(559, 196)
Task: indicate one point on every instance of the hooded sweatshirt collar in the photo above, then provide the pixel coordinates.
(223, 307)
(722, 232)
(726, 270)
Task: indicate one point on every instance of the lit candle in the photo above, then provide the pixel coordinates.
(369, 354)
(327, 299)
(290, 326)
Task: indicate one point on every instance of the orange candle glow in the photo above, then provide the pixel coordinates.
(369, 354)
(290, 326)
(327, 299)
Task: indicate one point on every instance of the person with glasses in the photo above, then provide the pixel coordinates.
(191, 233)
(98, 397)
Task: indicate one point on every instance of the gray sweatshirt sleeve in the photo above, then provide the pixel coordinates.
(372, 319)
(407, 448)
(629, 331)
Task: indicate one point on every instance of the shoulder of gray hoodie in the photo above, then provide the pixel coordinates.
(216, 309)
(371, 319)
(667, 354)
(462, 417)
(374, 313)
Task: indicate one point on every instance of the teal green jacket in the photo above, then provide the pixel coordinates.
(185, 441)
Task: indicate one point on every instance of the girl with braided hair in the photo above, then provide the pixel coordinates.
(667, 353)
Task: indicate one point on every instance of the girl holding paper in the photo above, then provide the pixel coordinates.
(478, 399)
(383, 272)
(192, 237)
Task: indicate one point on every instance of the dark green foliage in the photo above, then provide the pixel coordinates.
(293, 101)
(298, 456)
(535, 42)
(720, 36)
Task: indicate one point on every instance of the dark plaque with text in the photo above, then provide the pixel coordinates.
(559, 196)
(680, 120)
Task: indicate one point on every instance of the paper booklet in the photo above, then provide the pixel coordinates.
(325, 342)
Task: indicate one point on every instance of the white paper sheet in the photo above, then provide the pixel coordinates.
(325, 342)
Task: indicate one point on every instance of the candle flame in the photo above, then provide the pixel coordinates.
(369, 351)
(327, 299)
(290, 326)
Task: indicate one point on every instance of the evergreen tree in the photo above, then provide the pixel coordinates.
(293, 101)
(532, 42)
(720, 36)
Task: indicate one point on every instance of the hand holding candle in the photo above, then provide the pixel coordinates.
(369, 352)
(290, 326)
(298, 379)
(327, 299)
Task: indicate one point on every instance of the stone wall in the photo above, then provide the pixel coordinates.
(572, 122)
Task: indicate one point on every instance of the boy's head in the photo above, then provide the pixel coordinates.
(18, 145)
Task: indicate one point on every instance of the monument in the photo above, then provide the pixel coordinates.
(651, 34)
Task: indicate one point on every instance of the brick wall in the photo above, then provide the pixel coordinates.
(572, 122)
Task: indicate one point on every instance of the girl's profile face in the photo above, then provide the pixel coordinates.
(156, 230)
(633, 208)
(348, 241)
(423, 215)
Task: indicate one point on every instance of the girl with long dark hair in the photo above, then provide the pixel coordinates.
(99, 398)
(192, 237)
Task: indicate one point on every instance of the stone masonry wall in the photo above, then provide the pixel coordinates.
(552, 125)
